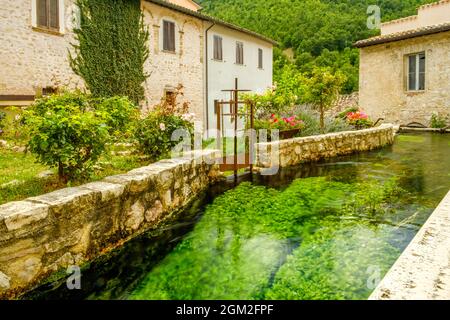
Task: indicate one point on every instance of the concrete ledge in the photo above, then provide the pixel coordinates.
(285, 153)
(42, 235)
(423, 270)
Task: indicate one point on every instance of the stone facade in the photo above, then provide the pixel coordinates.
(42, 235)
(30, 58)
(384, 67)
(285, 153)
(185, 66)
(423, 270)
(383, 71)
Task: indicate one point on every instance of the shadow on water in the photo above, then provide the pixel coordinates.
(419, 162)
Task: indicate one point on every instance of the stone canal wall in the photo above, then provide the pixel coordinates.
(42, 235)
(423, 270)
(285, 153)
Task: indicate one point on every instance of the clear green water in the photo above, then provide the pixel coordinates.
(329, 230)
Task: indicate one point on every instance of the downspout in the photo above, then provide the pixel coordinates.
(206, 76)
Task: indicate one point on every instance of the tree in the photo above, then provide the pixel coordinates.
(322, 89)
(112, 48)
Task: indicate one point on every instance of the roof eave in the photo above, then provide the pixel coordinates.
(402, 36)
(205, 17)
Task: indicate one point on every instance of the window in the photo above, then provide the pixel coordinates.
(168, 36)
(260, 58)
(218, 52)
(47, 14)
(239, 53)
(416, 72)
(170, 98)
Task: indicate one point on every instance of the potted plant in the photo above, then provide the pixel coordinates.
(359, 120)
(288, 127)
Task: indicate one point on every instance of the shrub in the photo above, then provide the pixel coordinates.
(70, 130)
(2, 121)
(438, 121)
(122, 116)
(154, 133)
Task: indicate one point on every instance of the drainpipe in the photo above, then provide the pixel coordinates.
(206, 76)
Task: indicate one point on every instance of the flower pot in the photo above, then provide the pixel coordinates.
(288, 134)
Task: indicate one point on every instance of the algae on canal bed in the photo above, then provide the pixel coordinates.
(327, 230)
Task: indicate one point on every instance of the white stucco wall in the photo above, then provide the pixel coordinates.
(428, 15)
(222, 74)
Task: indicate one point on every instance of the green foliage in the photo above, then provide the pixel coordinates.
(322, 89)
(286, 93)
(70, 130)
(2, 121)
(438, 121)
(123, 115)
(154, 133)
(112, 48)
(309, 241)
(320, 32)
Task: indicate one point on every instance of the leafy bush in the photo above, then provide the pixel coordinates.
(438, 121)
(70, 130)
(2, 121)
(154, 133)
(122, 116)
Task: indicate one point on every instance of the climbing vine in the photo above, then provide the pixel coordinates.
(111, 48)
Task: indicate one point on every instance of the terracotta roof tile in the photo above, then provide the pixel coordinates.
(403, 35)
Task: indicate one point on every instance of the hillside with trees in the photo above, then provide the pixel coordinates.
(317, 33)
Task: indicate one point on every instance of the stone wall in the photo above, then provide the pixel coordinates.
(285, 153)
(42, 235)
(423, 270)
(382, 89)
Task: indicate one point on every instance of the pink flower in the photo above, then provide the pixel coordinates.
(162, 126)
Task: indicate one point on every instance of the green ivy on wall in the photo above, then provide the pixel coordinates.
(112, 48)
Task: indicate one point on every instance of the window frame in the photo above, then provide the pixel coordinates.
(239, 53)
(48, 10)
(171, 47)
(417, 72)
(217, 44)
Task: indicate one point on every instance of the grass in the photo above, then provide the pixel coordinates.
(23, 169)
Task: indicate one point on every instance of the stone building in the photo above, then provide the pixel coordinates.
(34, 56)
(405, 72)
